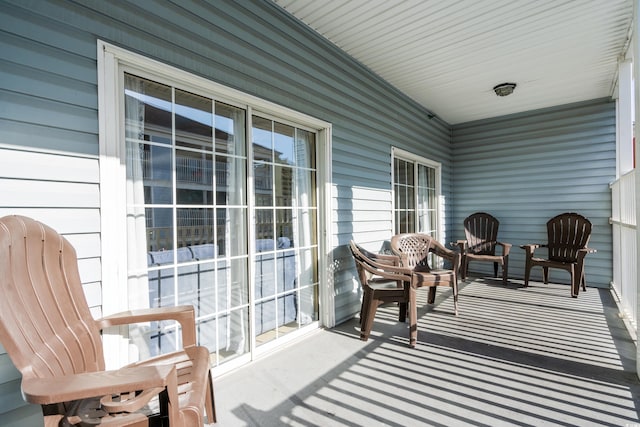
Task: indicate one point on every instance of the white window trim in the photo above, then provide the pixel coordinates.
(407, 155)
(112, 61)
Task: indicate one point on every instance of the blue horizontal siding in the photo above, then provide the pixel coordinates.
(48, 102)
(526, 168)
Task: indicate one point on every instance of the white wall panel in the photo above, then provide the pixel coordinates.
(49, 193)
(47, 166)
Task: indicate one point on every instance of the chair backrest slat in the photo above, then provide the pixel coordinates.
(481, 231)
(45, 323)
(416, 250)
(567, 233)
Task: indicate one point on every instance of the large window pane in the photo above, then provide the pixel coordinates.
(194, 178)
(284, 144)
(283, 188)
(263, 184)
(230, 131)
(193, 120)
(285, 219)
(262, 139)
(195, 232)
(305, 152)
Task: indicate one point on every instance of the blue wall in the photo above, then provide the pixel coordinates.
(526, 168)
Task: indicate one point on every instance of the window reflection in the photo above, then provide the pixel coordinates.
(415, 197)
(187, 217)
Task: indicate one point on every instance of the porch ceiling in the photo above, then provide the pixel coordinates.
(448, 55)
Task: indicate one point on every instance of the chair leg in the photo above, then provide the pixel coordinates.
(210, 403)
(545, 275)
(465, 266)
(364, 309)
(454, 287)
(413, 318)
(432, 295)
(402, 312)
(527, 273)
(575, 282)
(495, 269)
(367, 322)
(505, 270)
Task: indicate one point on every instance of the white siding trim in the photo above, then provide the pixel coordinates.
(325, 209)
(112, 202)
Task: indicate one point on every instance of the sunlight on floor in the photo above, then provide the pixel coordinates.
(514, 356)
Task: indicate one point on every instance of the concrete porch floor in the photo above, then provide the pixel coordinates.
(514, 356)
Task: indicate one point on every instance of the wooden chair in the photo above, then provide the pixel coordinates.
(481, 231)
(382, 281)
(567, 238)
(415, 250)
(51, 337)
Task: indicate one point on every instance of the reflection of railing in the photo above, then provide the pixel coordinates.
(625, 251)
(274, 283)
(161, 238)
(189, 169)
(192, 170)
(194, 217)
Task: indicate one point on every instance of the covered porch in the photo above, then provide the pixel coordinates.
(525, 356)
(514, 356)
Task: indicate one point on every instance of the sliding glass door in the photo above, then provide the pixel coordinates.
(245, 256)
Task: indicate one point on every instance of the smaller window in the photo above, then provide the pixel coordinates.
(416, 184)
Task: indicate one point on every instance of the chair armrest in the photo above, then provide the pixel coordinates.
(460, 244)
(388, 268)
(530, 248)
(386, 271)
(385, 259)
(43, 391)
(506, 247)
(451, 256)
(443, 252)
(583, 253)
(183, 314)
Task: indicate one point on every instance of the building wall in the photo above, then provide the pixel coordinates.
(526, 168)
(49, 121)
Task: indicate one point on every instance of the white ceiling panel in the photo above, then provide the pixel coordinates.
(448, 55)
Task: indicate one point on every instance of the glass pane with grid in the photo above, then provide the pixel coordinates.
(285, 228)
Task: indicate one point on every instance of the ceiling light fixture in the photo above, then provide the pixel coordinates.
(504, 89)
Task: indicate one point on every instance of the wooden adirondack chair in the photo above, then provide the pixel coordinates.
(481, 232)
(567, 238)
(51, 337)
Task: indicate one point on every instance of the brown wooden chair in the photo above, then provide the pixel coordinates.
(481, 231)
(414, 250)
(51, 337)
(382, 281)
(567, 238)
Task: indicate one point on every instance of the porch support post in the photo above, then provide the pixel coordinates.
(624, 161)
(636, 73)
